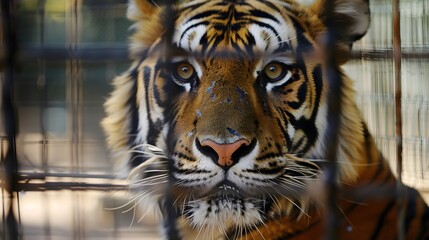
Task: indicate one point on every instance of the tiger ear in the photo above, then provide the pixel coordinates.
(140, 9)
(148, 26)
(348, 20)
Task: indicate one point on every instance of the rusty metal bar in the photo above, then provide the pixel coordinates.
(388, 54)
(398, 93)
(397, 55)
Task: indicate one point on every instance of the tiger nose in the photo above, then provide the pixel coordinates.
(227, 153)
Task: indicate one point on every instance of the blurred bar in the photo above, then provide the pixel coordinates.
(334, 101)
(9, 115)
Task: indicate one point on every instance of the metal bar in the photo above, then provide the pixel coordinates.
(388, 54)
(170, 213)
(74, 186)
(22, 176)
(3, 192)
(397, 55)
(398, 93)
(9, 116)
(334, 102)
(75, 111)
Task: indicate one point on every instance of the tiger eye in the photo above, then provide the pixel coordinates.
(274, 71)
(185, 71)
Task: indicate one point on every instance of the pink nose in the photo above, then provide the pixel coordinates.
(224, 151)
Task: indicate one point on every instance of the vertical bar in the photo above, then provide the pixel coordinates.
(397, 54)
(42, 84)
(74, 84)
(333, 119)
(9, 116)
(3, 192)
(76, 112)
(170, 212)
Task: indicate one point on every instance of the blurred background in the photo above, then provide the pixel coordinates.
(68, 51)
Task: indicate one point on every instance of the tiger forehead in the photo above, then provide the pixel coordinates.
(248, 27)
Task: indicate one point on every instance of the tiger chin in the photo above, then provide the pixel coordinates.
(221, 126)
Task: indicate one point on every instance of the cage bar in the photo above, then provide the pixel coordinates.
(9, 162)
(397, 56)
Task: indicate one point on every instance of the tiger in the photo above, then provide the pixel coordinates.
(221, 124)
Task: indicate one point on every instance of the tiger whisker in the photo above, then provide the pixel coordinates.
(147, 193)
(276, 202)
(293, 180)
(143, 215)
(299, 178)
(295, 158)
(257, 229)
(286, 189)
(155, 170)
(149, 148)
(158, 175)
(125, 204)
(296, 205)
(154, 3)
(134, 215)
(279, 33)
(222, 228)
(239, 232)
(152, 178)
(201, 228)
(310, 174)
(287, 40)
(288, 186)
(178, 197)
(150, 184)
(184, 204)
(143, 165)
(252, 234)
(345, 216)
(140, 198)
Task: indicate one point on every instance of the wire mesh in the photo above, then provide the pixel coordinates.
(68, 52)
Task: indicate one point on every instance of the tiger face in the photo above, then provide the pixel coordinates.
(237, 123)
(245, 102)
(236, 110)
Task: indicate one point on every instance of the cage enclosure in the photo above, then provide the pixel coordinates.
(58, 58)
